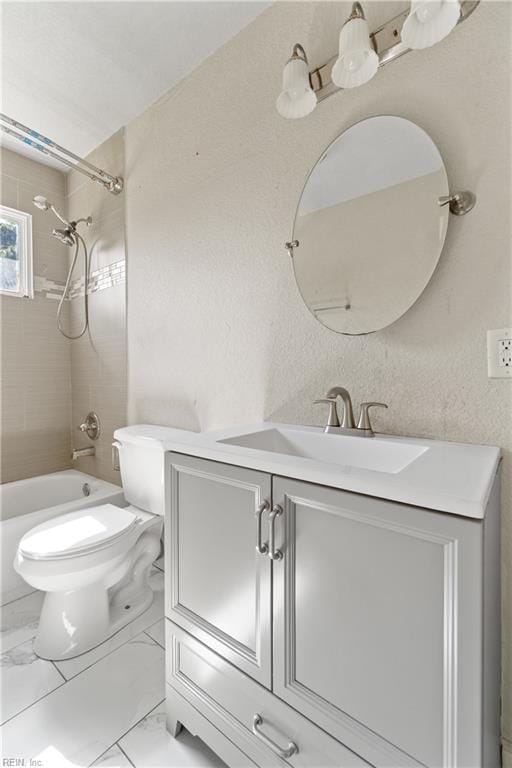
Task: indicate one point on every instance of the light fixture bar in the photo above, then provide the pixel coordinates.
(43, 144)
(388, 45)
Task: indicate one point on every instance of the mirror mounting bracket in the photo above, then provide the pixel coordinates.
(290, 246)
(460, 202)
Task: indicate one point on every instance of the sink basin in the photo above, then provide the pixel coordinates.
(376, 453)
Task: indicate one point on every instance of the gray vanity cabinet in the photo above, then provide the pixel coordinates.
(220, 587)
(376, 604)
(373, 625)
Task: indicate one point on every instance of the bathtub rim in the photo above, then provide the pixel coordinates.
(12, 586)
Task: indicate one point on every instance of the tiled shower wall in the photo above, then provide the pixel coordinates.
(49, 384)
(35, 394)
(98, 359)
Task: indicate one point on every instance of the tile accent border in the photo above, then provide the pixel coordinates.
(105, 277)
(48, 289)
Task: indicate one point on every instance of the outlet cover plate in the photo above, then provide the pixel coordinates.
(499, 353)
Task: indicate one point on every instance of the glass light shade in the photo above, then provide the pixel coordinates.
(297, 99)
(429, 22)
(357, 61)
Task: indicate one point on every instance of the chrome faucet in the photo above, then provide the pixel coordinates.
(78, 453)
(347, 426)
(347, 421)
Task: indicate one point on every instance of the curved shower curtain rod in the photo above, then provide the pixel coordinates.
(43, 144)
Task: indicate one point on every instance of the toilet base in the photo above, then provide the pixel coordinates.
(71, 622)
(74, 622)
(67, 629)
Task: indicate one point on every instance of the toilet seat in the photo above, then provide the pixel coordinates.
(78, 533)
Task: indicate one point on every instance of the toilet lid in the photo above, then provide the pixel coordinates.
(77, 532)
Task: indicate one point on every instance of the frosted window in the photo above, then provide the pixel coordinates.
(15, 253)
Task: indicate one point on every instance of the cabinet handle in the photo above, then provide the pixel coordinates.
(290, 750)
(273, 553)
(261, 548)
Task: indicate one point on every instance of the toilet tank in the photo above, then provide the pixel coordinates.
(141, 460)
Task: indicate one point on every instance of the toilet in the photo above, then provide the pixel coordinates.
(94, 564)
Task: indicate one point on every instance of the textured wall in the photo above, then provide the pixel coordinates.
(217, 331)
(35, 364)
(98, 359)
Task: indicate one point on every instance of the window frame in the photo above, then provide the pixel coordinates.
(23, 221)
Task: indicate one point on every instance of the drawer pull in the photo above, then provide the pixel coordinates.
(261, 548)
(290, 750)
(273, 553)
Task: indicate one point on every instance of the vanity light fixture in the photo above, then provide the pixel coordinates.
(297, 99)
(429, 22)
(362, 52)
(357, 62)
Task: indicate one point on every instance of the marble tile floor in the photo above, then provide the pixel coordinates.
(105, 708)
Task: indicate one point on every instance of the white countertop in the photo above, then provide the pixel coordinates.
(449, 477)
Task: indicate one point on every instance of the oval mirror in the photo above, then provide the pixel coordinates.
(369, 226)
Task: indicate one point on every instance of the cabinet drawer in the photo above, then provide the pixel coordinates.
(231, 701)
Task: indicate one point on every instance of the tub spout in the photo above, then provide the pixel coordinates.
(79, 452)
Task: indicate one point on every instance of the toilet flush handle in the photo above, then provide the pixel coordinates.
(115, 455)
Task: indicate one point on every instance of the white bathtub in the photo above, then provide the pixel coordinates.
(26, 503)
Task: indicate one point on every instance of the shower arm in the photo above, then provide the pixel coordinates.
(87, 220)
(113, 184)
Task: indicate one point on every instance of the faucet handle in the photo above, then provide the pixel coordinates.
(364, 416)
(91, 426)
(332, 419)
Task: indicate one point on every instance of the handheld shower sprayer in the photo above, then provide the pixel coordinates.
(41, 202)
(69, 236)
(44, 205)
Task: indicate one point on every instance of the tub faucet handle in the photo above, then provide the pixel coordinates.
(91, 426)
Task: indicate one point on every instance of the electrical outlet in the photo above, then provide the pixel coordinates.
(505, 353)
(499, 353)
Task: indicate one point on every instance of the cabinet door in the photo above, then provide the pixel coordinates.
(220, 585)
(375, 605)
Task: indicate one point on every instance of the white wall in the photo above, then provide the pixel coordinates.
(217, 331)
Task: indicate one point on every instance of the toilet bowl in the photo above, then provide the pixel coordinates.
(94, 564)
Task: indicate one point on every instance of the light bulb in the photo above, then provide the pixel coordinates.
(427, 10)
(355, 60)
(429, 21)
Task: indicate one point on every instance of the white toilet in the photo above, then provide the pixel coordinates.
(94, 563)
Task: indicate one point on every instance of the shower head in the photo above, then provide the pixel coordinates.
(41, 203)
(65, 236)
